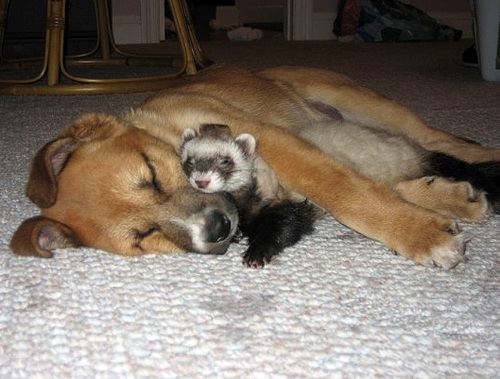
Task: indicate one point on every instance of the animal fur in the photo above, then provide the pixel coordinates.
(214, 161)
(116, 183)
(391, 159)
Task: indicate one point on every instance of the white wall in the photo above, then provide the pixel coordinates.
(138, 21)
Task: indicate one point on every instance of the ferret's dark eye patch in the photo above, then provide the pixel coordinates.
(188, 165)
(225, 161)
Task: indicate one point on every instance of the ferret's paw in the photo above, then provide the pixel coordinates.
(258, 256)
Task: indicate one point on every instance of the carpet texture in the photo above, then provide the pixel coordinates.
(335, 305)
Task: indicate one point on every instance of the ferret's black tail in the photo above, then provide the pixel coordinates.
(275, 228)
(483, 176)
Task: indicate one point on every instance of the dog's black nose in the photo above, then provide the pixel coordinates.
(217, 227)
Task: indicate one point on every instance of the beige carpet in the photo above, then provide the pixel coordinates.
(335, 305)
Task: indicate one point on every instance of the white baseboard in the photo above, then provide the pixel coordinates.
(146, 27)
(127, 29)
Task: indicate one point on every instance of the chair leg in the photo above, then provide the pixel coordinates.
(199, 57)
(183, 34)
(103, 28)
(55, 34)
(54, 62)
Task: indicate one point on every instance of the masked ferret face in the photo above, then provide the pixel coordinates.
(214, 161)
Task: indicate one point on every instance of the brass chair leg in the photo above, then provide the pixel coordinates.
(183, 35)
(55, 32)
(103, 20)
(54, 64)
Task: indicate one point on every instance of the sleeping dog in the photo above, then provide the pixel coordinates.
(116, 183)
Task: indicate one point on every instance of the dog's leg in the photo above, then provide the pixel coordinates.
(372, 209)
(369, 208)
(363, 106)
(449, 198)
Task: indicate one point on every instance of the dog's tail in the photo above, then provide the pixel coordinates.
(484, 176)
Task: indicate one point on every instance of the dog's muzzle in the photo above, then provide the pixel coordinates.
(218, 227)
(216, 231)
(210, 228)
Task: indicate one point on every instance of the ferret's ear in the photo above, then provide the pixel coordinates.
(188, 134)
(214, 130)
(247, 143)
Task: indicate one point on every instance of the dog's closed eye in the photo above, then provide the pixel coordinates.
(153, 182)
(140, 235)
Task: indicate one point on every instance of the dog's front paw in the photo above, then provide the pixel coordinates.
(449, 254)
(443, 245)
(447, 257)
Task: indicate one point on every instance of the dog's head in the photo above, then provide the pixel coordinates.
(107, 184)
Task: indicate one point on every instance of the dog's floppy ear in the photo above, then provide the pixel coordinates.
(38, 236)
(47, 164)
(50, 160)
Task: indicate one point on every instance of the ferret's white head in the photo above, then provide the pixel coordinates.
(214, 161)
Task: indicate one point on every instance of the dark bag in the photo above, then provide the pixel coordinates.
(389, 20)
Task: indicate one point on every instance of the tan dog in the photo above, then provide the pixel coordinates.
(117, 183)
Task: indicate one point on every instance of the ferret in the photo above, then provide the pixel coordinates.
(215, 161)
(391, 159)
